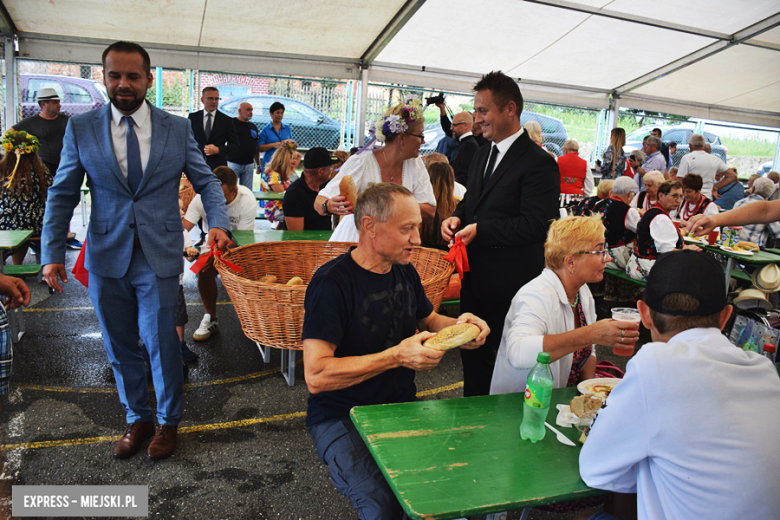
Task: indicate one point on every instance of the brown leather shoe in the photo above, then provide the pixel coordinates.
(163, 444)
(135, 434)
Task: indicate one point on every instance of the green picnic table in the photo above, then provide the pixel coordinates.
(269, 195)
(10, 240)
(243, 238)
(464, 457)
(757, 259)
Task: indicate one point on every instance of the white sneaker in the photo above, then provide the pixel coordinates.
(206, 329)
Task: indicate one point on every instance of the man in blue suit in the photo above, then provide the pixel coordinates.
(133, 155)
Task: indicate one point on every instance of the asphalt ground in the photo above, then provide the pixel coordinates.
(243, 450)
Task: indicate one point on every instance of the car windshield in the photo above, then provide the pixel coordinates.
(638, 134)
(102, 92)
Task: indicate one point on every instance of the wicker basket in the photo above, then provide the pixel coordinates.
(271, 314)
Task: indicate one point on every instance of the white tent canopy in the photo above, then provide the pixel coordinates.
(716, 60)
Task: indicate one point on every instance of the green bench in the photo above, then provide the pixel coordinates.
(619, 273)
(22, 271)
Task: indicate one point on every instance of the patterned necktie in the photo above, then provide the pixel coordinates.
(208, 125)
(491, 165)
(134, 170)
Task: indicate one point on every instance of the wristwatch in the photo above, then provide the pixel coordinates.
(325, 208)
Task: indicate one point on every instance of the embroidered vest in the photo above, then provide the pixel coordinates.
(645, 245)
(613, 215)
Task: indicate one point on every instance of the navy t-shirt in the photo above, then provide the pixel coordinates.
(362, 312)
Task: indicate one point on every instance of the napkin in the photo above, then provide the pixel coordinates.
(566, 419)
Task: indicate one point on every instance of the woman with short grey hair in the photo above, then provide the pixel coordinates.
(620, 220)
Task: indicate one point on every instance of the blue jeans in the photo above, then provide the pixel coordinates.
(245, 173)
(601, 515)
(353, 470)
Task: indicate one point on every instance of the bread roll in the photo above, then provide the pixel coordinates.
(348, 190)
(748, 246)
(585, 405)
(453, 336)
(295, 280)
(268, 279)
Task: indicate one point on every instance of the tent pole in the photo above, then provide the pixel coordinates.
(614, 107)
(10, 84)
(363, 106)
(158, 87)
(776, 163)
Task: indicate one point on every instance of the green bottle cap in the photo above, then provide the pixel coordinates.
(543, 357)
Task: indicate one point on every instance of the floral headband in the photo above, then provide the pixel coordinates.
(19, 143)
(411, 110)
(290, 144)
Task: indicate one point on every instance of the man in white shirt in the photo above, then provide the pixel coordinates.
(684, 429)
(759, 232)
(706, 165)
(241, 209)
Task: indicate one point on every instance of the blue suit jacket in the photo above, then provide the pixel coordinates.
(88, 148)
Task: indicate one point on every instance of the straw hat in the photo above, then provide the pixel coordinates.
(752, 298)
(767, 279)
(47, 94)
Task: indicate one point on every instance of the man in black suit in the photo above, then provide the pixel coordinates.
(461, 130)
(214, 131)
(513, 192)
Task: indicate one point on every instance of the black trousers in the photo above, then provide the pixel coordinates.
(478, 364)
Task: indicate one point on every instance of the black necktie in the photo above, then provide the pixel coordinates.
(208, 125)
(491, 165)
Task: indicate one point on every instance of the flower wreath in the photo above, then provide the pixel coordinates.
(19, 143)
(408, 112)
(290, 144)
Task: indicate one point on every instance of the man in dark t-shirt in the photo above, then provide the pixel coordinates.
(48, 126)
(359, 342)
(242, 160)
(298, 203)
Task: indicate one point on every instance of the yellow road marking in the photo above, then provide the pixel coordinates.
(191, 429)
(113, 390)
(56, 309)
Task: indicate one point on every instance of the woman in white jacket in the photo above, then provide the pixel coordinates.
(555, 312)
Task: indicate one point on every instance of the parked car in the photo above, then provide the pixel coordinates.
(310, 127)
(553, 132)
(676, 134)
(77, 95)
(765, 168)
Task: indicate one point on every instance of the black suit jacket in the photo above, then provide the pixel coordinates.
(223, 136)
(466, 151)
(512, 213)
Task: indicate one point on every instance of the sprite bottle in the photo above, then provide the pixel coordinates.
(538, 390)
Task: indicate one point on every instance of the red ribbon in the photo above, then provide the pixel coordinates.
(201, 262)
(458, 255)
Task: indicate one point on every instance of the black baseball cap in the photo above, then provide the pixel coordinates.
(318, 157)
(694, 273)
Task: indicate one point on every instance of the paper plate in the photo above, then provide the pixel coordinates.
(586, 387)
(743, 253)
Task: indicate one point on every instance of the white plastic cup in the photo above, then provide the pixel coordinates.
(625, 314)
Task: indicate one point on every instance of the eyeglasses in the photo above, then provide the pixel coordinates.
(461, 123)
(604, 254)
(422, 137)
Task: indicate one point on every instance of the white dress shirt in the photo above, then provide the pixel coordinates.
(539, 308)
(205, 119)
(143, 131)
(461, 138)
(503, 146)
(691, 430)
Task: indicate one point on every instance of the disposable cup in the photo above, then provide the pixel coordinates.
(625, 314)
(712, 237)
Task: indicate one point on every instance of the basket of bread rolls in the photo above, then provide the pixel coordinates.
(269, 292)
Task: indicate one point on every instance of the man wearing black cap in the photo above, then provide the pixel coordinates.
(299, 212)
(684, 429)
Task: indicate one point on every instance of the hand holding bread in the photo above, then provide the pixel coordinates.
(348, 191)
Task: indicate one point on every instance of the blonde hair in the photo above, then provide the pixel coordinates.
(570, 235)
(655, 176)
(281, 162)
(604, 188)
(433, 158)
(534, 130)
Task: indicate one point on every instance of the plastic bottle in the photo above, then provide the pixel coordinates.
(769, 351)
(538, 390)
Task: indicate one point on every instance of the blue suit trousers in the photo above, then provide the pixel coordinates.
(141, 305)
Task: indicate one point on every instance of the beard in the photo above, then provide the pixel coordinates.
(127, 105)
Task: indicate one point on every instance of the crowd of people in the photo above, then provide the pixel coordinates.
(493, 190)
